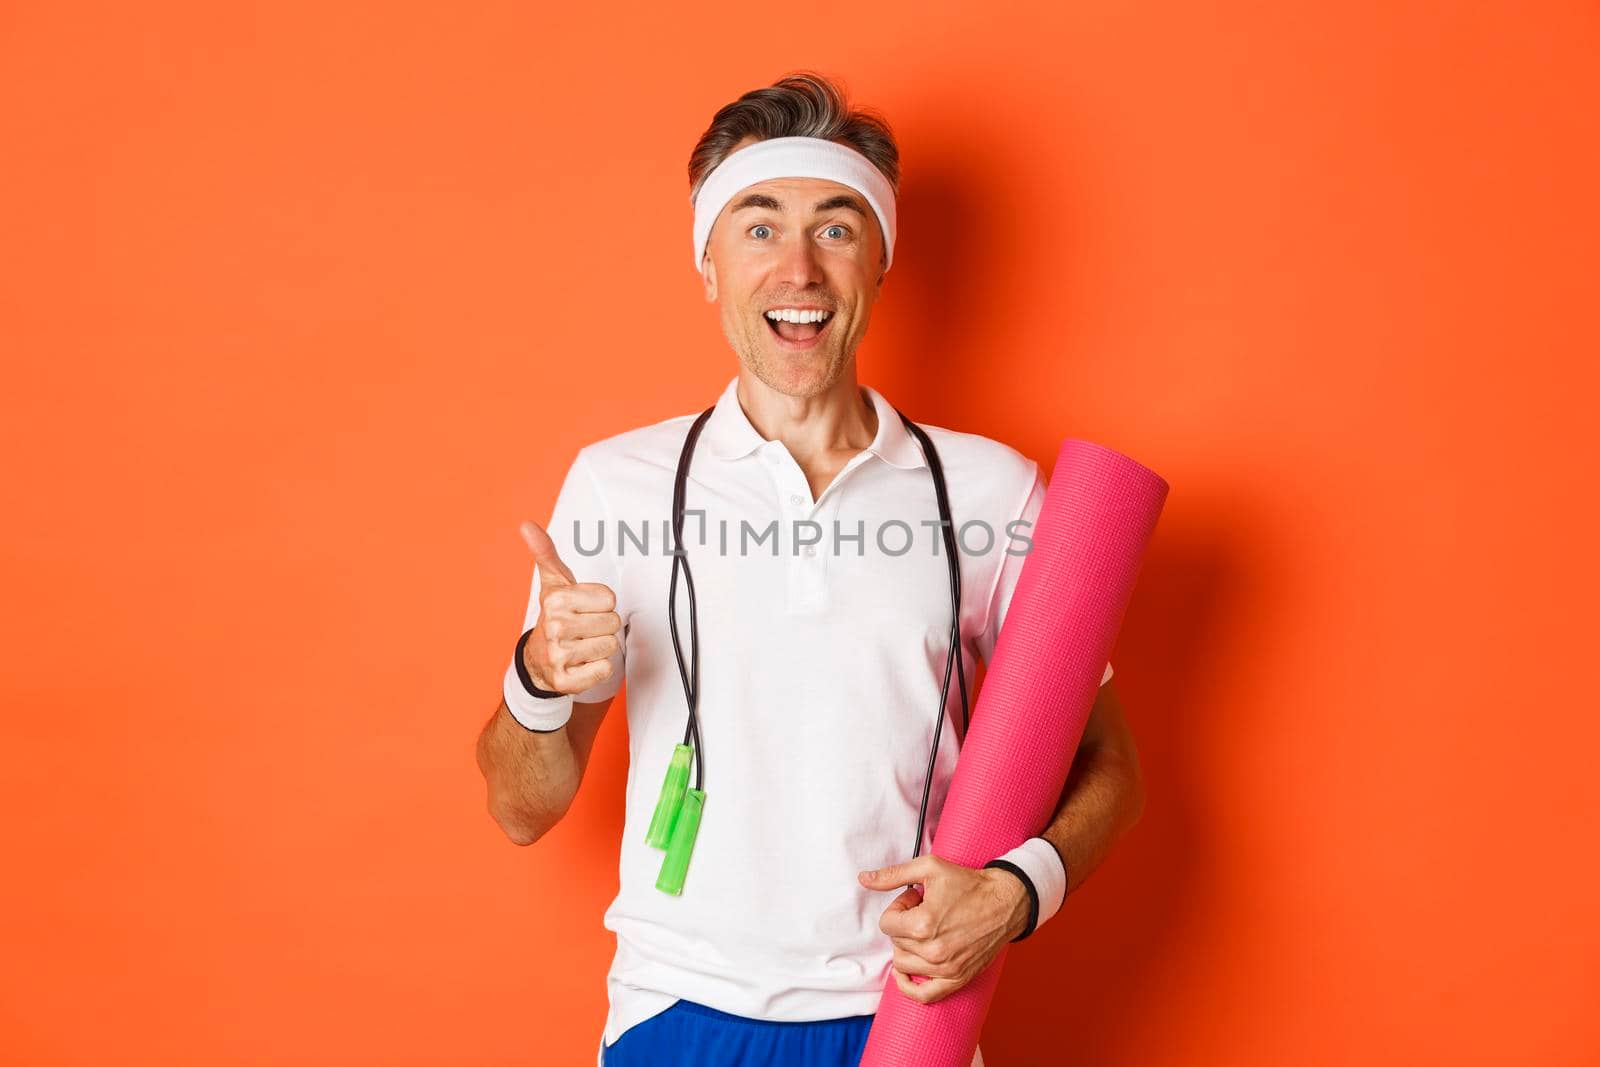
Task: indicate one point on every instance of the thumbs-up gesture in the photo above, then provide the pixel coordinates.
(578, 624)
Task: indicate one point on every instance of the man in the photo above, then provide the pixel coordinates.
(818, 665)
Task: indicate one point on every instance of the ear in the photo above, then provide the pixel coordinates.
(710, 279)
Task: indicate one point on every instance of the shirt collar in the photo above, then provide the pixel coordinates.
(728, 433)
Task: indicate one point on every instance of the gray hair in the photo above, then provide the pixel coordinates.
(800, 104)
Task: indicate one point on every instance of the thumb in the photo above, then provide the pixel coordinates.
(552, 571)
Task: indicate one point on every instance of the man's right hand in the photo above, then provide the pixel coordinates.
(578, 625)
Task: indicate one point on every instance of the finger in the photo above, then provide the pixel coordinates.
(910, 962)
(585, 676)
(589, 597)
(551, 570)
(942, 987)
(570, 655)
(925, 990)
(563, 624)
(908, 898)
(916, 946)
(915, 988)
(564, 621)
(911, 872)
(914, 923)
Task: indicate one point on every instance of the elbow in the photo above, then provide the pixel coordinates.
(517, 832)
(518, 827)
(521, 837)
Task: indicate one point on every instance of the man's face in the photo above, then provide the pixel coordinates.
(795, 243)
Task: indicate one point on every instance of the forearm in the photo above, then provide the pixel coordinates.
(1103, 799)
(532, 777)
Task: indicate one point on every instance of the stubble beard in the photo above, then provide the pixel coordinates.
(810, 375)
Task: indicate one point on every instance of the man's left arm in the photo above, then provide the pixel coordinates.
(1104, 794)
(955, 927)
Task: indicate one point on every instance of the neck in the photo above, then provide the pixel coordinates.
(839, 421)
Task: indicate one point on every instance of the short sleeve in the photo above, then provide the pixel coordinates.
(578, 525)
(1014, 545)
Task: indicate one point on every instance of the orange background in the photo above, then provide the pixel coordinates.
(303, 307)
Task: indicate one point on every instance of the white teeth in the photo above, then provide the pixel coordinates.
(793, 315)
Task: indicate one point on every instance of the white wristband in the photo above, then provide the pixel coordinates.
(1039, 859)
(544, 714)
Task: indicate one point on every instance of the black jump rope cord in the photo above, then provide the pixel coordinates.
(680, 559)
(691, 685)
(954, 657)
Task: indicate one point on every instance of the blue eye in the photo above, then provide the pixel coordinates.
(760, 226)
(841, 229)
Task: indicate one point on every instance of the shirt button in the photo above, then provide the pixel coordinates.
(796, 498)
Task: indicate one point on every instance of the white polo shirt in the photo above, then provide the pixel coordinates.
(820, 670)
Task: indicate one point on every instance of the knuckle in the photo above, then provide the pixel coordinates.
(936, 952)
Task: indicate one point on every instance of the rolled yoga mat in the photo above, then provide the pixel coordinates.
(1099, 511)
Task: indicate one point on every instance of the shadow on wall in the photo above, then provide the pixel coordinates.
(945, 286)
(1075, 990)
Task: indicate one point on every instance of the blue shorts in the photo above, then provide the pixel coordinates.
(693, 1035)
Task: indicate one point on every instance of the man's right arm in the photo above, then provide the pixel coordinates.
(533, 750)
(533, 776)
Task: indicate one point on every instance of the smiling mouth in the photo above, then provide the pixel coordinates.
(797, 334)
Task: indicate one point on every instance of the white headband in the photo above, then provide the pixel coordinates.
(792, 157)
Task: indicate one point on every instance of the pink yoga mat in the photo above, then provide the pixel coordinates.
(1099, 512)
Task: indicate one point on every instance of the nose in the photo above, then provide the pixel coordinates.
(799, 265)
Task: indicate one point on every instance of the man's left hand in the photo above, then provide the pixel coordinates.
(950, 931)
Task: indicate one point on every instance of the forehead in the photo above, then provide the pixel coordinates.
(798, 194)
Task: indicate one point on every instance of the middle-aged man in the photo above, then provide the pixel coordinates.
(808, 677)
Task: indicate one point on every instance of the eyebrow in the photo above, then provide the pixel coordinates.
(762, 200)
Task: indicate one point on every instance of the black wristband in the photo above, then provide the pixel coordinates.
(1033, 894)
(523, 676)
